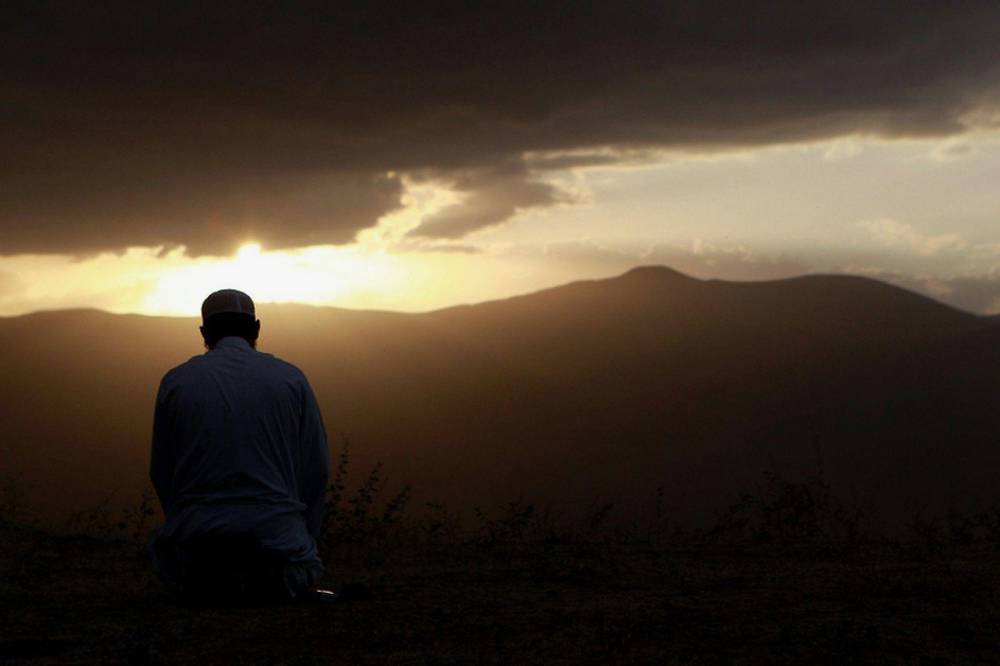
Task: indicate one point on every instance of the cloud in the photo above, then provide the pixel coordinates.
(895, 235)
(973, 293)
(843, 149)
(701, 260)
(199, 124)
(430, 246)
(209, 213)
(978, 292)
(953, 149)
(488, 197)
(948, 254)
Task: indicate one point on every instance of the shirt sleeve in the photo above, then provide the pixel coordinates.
(314, 469)
(161, 459)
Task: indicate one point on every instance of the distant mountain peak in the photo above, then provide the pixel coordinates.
(654, 272)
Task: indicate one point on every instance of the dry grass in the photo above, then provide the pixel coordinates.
(76, 599)
(785, 576)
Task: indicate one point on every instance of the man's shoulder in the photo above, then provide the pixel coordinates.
(278, 364)
(182, 369)
(196, 365)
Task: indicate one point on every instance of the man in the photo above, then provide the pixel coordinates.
(240, 464)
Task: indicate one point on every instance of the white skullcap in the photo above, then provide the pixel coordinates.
(227, 300)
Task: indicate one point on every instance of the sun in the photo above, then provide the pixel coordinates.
(321, 275)
(248, 252)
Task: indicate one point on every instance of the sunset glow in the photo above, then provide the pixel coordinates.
(398, 183)
(315, 276)
(750, 214)
(696, 302)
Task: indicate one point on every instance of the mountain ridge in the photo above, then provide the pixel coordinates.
(595, 389)
(652, 274)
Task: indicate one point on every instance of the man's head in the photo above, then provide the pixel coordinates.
(228, 312)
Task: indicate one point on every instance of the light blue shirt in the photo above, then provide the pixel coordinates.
(238, 447)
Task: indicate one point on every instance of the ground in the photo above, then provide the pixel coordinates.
(76, 599)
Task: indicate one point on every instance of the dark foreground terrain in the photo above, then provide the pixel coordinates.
(76, 599)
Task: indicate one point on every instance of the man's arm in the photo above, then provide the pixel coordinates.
(161, 459)
(314, 470)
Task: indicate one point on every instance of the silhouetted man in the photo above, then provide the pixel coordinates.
(240, 463)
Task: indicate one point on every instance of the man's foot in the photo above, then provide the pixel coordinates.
(347, 593)
(320, 597)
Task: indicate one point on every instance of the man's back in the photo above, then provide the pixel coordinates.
(239, 448)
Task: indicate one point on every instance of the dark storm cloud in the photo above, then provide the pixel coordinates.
(488, 196)
(198, 124)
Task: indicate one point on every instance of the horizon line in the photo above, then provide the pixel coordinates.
(640, 268)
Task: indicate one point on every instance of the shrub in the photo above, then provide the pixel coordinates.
(133, 521)
(360, 518)
(783, 511)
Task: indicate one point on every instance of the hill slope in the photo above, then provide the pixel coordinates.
(601, 389)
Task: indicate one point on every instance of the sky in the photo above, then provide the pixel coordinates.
(415, 156)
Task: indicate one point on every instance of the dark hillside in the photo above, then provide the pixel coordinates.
(603, 389)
